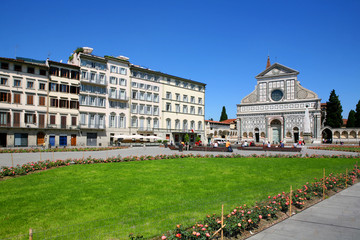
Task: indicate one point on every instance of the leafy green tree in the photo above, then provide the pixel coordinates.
(187, 138)
(351, 119)
(333, 111)
(357, 115)
(223, 114)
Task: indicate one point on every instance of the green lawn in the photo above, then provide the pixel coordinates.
(148, 197)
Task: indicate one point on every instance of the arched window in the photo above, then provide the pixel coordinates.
(156, 123)
(168, 123)
(177, 124)
(200, 126)
(134, 122)
(148, 123)
(192, 125)
(245, 134)
(336, 134)
(122, 121)
(185, 125)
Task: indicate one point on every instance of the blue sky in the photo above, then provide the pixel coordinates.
(224, 44)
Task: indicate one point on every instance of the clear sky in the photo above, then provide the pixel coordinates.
(224, 44)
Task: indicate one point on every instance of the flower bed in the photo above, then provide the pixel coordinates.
(337, 148)
(30, 150)
(244, 219)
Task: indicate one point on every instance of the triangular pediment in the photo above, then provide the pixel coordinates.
(277, 70)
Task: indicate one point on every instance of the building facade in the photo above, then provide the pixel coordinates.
(92, 99)
(275, 110)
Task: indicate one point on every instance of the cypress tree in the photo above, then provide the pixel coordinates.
(223, 114)
(333, 111)
(351, 119)
(357, 115)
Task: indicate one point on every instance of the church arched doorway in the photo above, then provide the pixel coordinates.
(257, 136)
(275, 127)
(327, 135)
(296, 134)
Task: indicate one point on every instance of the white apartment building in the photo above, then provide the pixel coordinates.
(92, 99)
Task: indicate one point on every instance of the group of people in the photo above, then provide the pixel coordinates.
(227, 145)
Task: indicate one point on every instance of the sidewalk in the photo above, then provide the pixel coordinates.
(337, 217)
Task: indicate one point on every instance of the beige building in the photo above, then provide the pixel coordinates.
(38, 107)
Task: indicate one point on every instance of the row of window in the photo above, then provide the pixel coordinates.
(118, 105)
(117, 94)
(92, 101)
(145, 124)
(119, 81)
(31, 118)
(119, 70)
(184, 99)
(30, 84)
(65, 73)
(94, 77)
(64, 103)
(20, 68)
(146, 76)
(117, 121)
(91, 64)
(92, 120)
(184, 84)
(185, 126)
(185, 109)
(145, 96)
(145, 86)
(6, 97)
(145, 109)
(55, 87)
(92, 89)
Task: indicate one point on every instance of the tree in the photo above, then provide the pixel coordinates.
(333, 111)
(223, 114)
(351, 119)
(357, 115)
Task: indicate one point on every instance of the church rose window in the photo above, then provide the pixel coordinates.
(276, 95)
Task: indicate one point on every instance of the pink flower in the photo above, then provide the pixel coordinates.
(239, 224)
(197, 234)
(260, 216)
(249, 220)
(163, 237)
(178, 235)
(207, 234)
(203, 229)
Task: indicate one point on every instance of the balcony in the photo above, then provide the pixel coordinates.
(118, 97)
(95, 80)
(99, 126)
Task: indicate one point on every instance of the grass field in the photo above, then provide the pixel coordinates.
(149, 197)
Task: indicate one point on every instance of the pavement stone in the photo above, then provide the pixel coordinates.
(334, 218)
(22, 158)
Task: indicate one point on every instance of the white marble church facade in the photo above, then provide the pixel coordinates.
(275, 110)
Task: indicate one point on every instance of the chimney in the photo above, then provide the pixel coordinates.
(268, 64)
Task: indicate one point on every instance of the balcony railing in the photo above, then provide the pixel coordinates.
(118, 97)
(93, 126)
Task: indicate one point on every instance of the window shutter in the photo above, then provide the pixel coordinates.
(34, 118)
(9, 97)
(25, 118)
